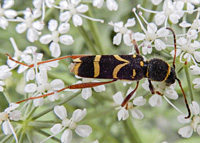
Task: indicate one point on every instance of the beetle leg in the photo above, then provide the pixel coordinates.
(135, 44)
(152, 89)
(128, 97)
(75, 86)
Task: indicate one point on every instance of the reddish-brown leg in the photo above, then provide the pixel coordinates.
(75, 86)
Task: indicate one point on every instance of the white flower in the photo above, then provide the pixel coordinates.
(9, 114)
(6, 13)
(73, 9)
(168, 91)
(67, 125)
(123, 113)
(55, 37)
(43, 87)
(171, 10)
(30, 57)
(194, 123)
(187, 50)
(122, 31)
(5, 73)
(111, 4)
(28, 23)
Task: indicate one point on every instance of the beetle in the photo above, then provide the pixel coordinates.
(119, 67)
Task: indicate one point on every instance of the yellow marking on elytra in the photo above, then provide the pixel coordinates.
(141, 63)
(96, 65)
(168, 72)
(78, 60)
(120, 59)
(117, 69)
(75, 68)
(134, 56)
(134, 73)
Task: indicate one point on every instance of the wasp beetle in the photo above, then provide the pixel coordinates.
(119, 67)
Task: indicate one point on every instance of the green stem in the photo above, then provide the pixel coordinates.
(95, 32)
(189, 82)
(88, 41)
(131, 131)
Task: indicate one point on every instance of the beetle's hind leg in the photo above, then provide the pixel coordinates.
(75, 86)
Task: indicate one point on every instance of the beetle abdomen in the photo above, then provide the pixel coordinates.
(123, 67)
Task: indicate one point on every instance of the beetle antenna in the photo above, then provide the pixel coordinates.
(186, 103)
(174, 35)
(179, 82)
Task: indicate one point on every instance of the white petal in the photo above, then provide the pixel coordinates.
(77, 20)
(82, 8)
(66, 136)
(55, 49)
(155, 100)
(60, 111)
(86, 93)
(130, 22)
(10, 13)
(139, 36)
(139, 101)
(174, 18)
(184, 24)
(172, 94)
(12, 106)
(159, 45)
(137, 114)
(83, 130)
(15, 115)
(52, 25)
(32, 35)
(162, 32)
(46, 39)
(20, 28)
(79, 114)
(30, 75)
(122, 114)
(3, 22)
(65, 16)
(117, 39)
(98, 3)
(127, 40)
(112, 5)
(118, 98)
(64, 28)
(31, 87)
(57, 84)
(186, 131)
(6, 128)
(159, 18)
(8, 4)
(197, 56)
(194, 107)
(75, 2)
(56, 129)
(156, 2)
(151, 28)
(66, 39)
(38, 25)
